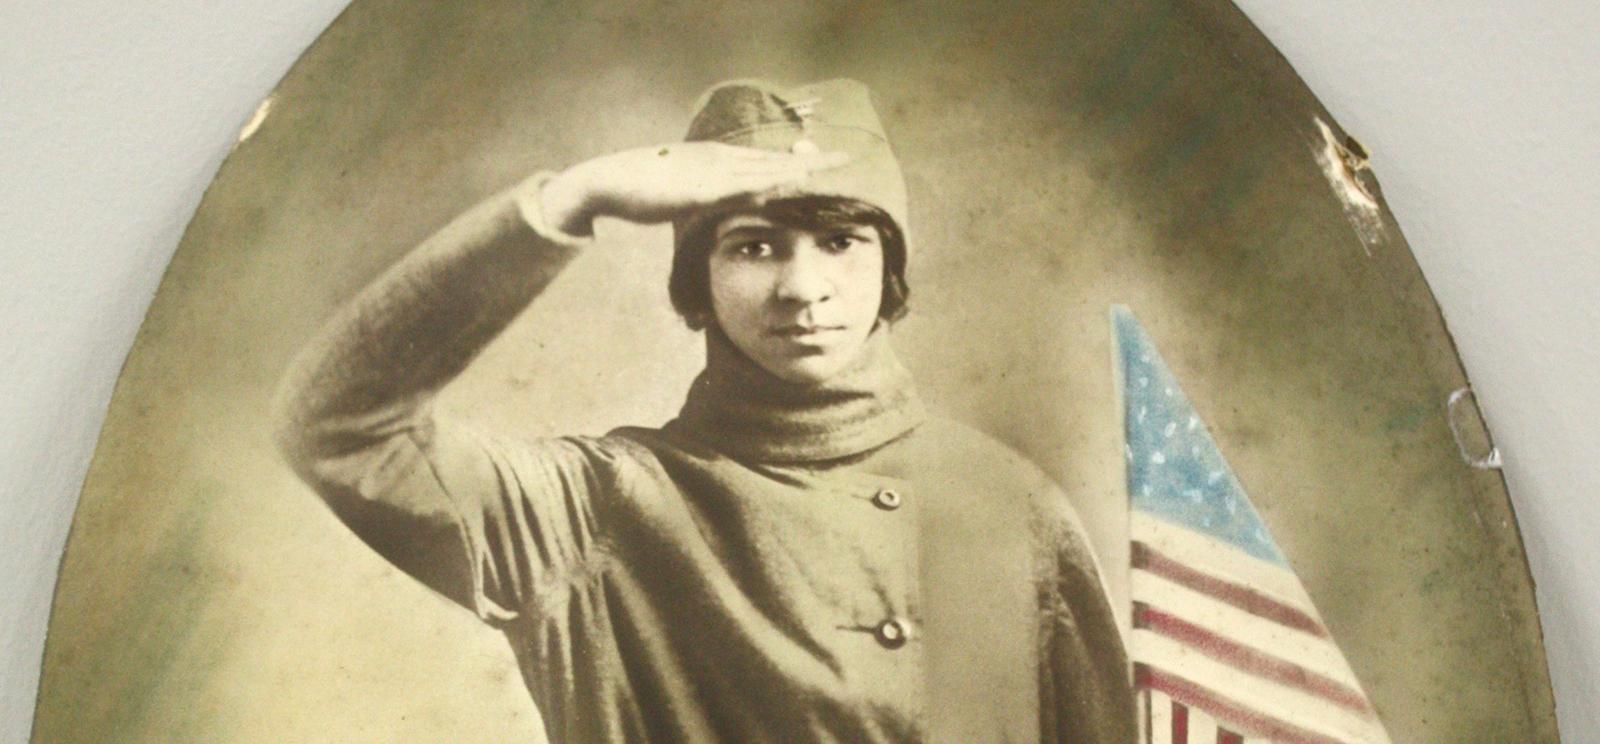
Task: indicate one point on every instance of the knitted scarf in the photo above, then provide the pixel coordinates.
(750, 414)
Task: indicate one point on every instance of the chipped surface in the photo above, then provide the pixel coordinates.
(1472, 437)
(256, 120)
(1342, 163)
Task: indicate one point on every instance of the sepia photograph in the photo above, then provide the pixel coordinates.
(736, 372)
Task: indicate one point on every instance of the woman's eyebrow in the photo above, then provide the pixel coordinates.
(743, 230)
(853, 228)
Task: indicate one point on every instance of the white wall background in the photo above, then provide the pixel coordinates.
(1482, 116)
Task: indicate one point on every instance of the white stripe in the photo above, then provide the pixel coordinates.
(1283, 703)
(1202, 728)
(1312, 652)
(1222, 559)
(1160, 718)
(1142, 700)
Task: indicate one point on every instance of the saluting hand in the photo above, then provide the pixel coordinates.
(658, 184)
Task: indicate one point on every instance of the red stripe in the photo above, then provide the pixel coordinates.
(1180, 724)
(1228, 737)
(1235, 714)
(1243, 597)
(1248, 659)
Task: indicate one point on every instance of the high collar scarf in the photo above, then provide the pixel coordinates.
(752, 415)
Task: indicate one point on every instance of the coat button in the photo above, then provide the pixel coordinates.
(892, 634)
(887, 499)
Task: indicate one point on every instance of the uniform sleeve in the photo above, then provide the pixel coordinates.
(1086, 692)
(486, 522)
(493, 524)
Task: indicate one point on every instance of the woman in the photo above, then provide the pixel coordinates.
(802, 555)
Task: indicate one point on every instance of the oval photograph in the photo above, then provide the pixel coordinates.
(794, 372)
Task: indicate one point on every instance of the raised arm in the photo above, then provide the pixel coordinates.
(353, 416)
(373, 369)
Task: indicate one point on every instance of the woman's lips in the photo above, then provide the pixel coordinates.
(800, 332)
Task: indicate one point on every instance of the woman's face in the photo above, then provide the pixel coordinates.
(798, 302)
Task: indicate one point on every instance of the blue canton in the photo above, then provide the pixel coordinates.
(1175, 472)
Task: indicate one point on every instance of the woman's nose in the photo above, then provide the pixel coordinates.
(805, 275)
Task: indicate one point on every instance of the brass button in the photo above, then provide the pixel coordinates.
(887, 499)
(892, 633)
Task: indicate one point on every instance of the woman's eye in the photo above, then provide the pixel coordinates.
(754, 249)
(843, 242)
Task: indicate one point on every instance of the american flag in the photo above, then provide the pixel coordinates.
(1227, 646)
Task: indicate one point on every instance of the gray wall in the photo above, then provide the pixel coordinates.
(1481, 121)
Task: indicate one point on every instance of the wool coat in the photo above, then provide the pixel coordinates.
(771, 566)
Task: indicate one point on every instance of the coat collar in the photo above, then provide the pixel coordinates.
(752, 415)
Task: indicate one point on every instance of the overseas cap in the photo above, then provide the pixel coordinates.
(830, 116)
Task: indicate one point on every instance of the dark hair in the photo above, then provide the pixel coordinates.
(690, 283)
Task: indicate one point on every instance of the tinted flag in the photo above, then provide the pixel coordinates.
(1226, 644)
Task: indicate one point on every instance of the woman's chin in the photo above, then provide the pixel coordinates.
(812, 369)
